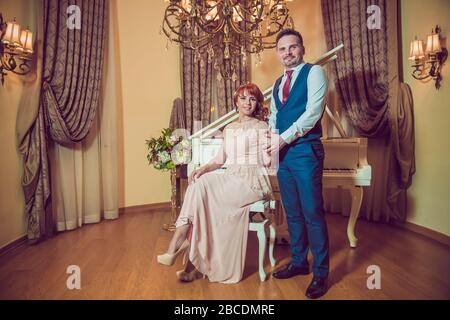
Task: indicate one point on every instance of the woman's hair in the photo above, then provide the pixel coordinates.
(253, 90)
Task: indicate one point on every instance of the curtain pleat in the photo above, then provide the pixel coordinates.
(376, 102)
(72, 66)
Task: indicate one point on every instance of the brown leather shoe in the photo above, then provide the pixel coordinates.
(289, 271)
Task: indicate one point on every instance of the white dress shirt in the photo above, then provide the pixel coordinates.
(317, 88)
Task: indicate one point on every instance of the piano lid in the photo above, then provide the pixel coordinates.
(233, 115)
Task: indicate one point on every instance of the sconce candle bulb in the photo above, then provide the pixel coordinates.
(16, 48)
(428, 65)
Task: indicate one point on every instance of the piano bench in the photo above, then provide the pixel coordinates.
(262, 208)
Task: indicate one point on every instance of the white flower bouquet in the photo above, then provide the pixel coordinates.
(168, 151)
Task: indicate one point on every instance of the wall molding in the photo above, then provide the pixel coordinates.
(429, 233)
(146, 207)
(22, 240)
(424, 231)
(15, 244)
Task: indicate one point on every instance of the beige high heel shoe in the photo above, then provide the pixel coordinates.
(168, 259)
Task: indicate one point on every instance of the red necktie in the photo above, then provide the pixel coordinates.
(287, 85)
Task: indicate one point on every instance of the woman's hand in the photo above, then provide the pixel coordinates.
(197, 173)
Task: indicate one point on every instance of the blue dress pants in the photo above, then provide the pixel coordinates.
(300, 180)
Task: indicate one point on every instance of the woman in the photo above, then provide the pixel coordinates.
(217, 206)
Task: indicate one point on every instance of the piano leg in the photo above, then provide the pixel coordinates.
(357, 195)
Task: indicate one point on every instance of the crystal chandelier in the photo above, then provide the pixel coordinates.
(220, 30)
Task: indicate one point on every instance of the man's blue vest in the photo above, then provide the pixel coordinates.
(295, 106)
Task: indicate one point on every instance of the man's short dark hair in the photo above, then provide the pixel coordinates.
(288, 32)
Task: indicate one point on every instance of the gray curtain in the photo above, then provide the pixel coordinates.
(200, 84)
(197, 76)
(377, 103)
(72, 62)
(177, 116)
(227, 87)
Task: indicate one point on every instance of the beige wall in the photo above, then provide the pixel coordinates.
(307, 15)
(150, 81)
(12, 218)
(428, 198)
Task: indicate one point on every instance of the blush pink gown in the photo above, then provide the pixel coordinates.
(218, 204)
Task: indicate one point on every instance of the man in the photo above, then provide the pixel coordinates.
(297, 106)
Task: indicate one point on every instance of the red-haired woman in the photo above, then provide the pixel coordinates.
(216, 206)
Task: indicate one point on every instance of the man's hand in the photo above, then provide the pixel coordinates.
(276, 143)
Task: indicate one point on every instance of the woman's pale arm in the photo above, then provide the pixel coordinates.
(214, 164)
(218, 161)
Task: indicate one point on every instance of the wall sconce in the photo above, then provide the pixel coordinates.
(16, 48)
(428, 64)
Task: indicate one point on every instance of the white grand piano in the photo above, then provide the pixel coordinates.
(345, 164)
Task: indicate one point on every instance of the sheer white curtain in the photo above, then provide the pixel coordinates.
(85, 176)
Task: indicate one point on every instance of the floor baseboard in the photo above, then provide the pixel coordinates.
(429, 233)
(145, 207)
(13, 245)
(434, 235)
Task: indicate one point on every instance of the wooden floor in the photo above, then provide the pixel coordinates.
(118, 261)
